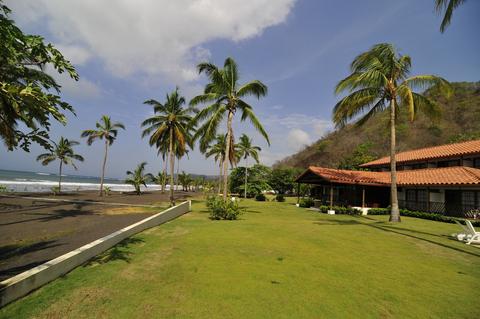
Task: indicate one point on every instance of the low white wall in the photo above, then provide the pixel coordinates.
(21, 284)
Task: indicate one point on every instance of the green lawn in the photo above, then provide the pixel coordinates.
(278, 261)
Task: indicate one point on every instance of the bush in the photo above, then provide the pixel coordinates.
(341, 210)
(306, 202)
(3, 189)
(55, 190)
(260, 197)
(107, 190)
(220, 209)
(280, 198)
(422, 215)
(379, 211)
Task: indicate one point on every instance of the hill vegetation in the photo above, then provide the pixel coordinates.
(351, 145)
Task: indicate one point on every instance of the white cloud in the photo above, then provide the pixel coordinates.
(82, 89)
(74, 53)
(297, 120)
(269, 158)
(298, 139)
(149, 37)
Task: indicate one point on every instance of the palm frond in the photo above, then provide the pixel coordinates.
(247, 112)
(448, 6)
(253, 88)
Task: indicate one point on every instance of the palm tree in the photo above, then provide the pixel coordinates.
(217, 150)
(179, 153)
(447, 6)
(138, 177)
(63, 151)
(185, 180)
(379, 80)
(169, 126)
(160, 179)
(224, 96)
(105, 130)
(246, 150)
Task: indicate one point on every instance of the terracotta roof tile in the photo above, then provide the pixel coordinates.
(458, 175)
(442, 151)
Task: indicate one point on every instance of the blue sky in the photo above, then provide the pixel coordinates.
(127, 52)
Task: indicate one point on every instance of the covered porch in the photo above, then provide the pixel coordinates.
(345, 188)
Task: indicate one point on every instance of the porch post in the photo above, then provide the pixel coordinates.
(428, 199)
(363, 197)
(331, 196)
(298, 193)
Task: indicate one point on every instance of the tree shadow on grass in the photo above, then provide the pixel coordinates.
(400, 231)
(338, 222)
(120, 251)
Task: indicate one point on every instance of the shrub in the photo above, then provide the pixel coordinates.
(341, 210)
(220, 209)
(107, 190)
(379, 211)
(55, 190)
(280, 198)
(306, 202)
(260, 197)
(422, 215)
(3, 189)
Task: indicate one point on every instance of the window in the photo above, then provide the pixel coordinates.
(411, 195)
(422, 195)
(468, 199)
(476, 162)
(419, 166)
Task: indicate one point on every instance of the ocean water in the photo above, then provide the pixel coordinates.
(23, 181)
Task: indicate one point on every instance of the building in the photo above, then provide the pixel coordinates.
(442, 179)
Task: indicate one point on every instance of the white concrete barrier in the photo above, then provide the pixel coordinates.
(21, 284)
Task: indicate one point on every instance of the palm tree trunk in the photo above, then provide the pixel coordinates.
(103, 168)
(220, 177)
(60, 178)
(395, 213)
(172, 167)
(178, 171)
(227, 155)
(165, 163)
(246, 176)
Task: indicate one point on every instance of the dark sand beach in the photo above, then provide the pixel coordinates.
(35, 230)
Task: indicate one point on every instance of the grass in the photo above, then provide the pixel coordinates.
(278, 261)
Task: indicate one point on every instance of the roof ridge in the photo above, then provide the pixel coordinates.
(458, 149)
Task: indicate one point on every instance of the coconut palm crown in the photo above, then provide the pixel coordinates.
(62, 151)
(170, 125)
(224, 97)
(105, 130)
(380, 80)
(447, 6)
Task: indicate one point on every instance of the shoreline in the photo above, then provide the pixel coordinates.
(46, 186)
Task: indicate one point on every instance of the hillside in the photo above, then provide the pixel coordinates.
(459, 120)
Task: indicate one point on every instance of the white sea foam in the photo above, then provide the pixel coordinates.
(46, 186)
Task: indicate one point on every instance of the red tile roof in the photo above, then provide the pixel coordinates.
(458, 176)
(442, 151)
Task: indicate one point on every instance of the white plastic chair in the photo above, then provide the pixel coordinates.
(475, 234)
